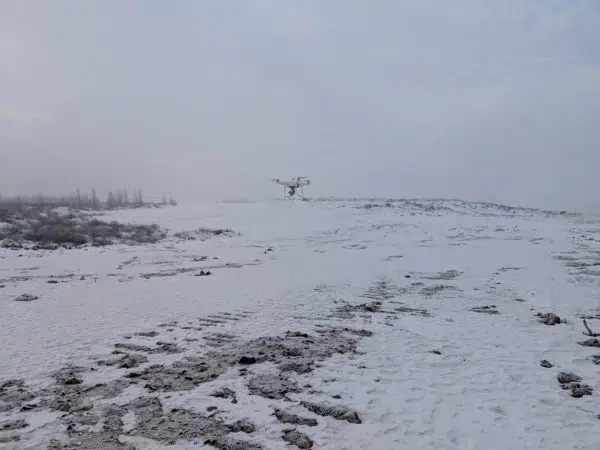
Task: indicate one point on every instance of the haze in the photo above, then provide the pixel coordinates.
(481, 100)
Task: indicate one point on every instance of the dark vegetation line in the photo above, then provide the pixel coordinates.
(34, 222)
(82, 201)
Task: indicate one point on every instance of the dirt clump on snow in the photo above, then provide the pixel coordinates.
(572, 382)
(568, 377)
(549, 319)
(487, 309)
(26, 298)
(339, 412)
(294, 437)
(294, 419)
(580, 389)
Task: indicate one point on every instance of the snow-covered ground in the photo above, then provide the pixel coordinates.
(345, 324)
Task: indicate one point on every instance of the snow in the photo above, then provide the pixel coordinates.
(433, 373)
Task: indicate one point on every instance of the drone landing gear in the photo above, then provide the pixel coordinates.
(291, 193)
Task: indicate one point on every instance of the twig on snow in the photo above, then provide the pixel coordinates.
(589, 331)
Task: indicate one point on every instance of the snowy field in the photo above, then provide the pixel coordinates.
(325, 324)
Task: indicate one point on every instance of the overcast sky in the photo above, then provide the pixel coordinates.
(487, 100)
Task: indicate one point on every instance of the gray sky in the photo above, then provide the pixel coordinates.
(486, 100)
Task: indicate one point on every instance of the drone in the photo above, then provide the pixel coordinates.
(292, 185)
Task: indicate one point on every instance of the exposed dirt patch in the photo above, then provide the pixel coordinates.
(219, 339)
(203, 234)
(89, 424)
(127, 361)
(272, 386)
(9, 438)
(296, 352)
(371, 307)
(13, 394)
(150, 333)
(225, 393)
(153, 422)
(168, 273)
(446, 275)
(382, 290)
(429, 291)
(161, 347)
(85, 439)
(71, 395)
(229, 443)
(10, 425)
(421, 312)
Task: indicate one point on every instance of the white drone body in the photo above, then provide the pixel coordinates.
(292, 185)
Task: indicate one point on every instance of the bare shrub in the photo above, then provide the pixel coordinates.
(45, 229)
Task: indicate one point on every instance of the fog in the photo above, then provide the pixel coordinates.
(473, 99)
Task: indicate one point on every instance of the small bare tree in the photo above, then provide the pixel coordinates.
(110, 200)
(95, 200)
